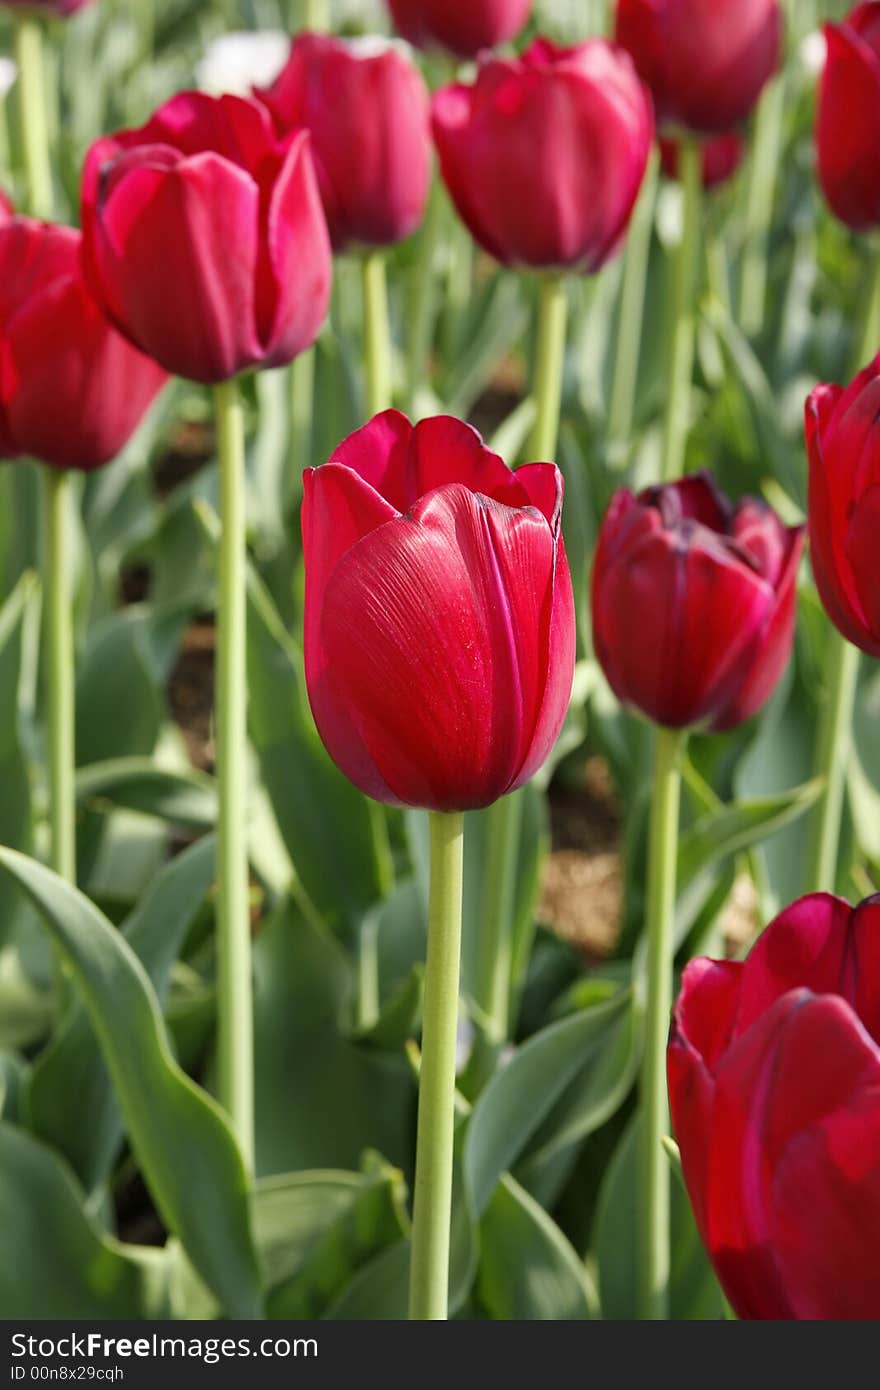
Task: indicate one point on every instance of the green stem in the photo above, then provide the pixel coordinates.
(687, 264)
(234, 1007)
(432, 1211)
(423, 311)
(632, 310)
(60, 667)
(717, 270)
(766, 151)
(33, 108)
(549, 366)
(302, 409)
(377, 332)
(495, 959)
(654, 1252)
(315, 15)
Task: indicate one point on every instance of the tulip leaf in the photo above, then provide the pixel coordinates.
(379, 1292)
(528, 1270)
(182, 1141)
(16, 828)
(137, 784)
(741, 826)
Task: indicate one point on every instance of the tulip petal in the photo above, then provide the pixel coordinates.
(847, 143)
(294, 264)
(861, 553)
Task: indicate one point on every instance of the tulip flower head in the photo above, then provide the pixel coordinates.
(847, 123)
(843, 445)
(722, 157)
(694, 602)
(465, 29)
(439, 615)
(367, 108)
(544, 155)
(72, 389)
(774, 1085)
(705, 61)
(204, 237)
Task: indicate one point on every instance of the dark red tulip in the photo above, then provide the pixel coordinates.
(722, 156)
(464, 29)
(439, 615)
(774, 1084)
(705, 61)
(367, 108)
(848, 123)
(72, 390)
(843, 445)
(6, 208)
(544, 154)
(204, 237)
(60, 7)
(694, 602)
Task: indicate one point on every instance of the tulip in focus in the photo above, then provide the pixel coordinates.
(544, 155)
(204, 237)
(722, 156)
(705, 61)
(464, 29)
(847, 123)
(843, 444)
(72, 389)
(694, 602)
(367, 108)
(439, 615)
(774, 1083)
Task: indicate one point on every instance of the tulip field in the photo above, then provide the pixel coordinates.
(439, 625)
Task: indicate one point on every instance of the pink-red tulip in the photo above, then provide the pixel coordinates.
(544, 154)
(848, 120)
(843, 445)
(60, 7)
(705, 61)
(694, 602)
(204, 237)
(722, 156)
(72, 390)
(367, 108)
(774, 1083)
(464, 29)
(439, 615)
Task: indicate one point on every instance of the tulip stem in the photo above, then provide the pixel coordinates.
(33, 108)
(432, 1211)
(686, 272)
(759, 207)
(495, 960)
(423, 311)
(234, 1004)
(632, 311)
(549, 368)
(654, 1253)
(60, 670)
(377, 333)
(302, 409)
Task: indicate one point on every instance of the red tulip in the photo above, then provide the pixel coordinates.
(722, 156)
(464, 29)
(848, 124)
(72, 390)
(694, 602)
(6, 208)
(544, 154)
(843, 444)
(705, 61)
(366, 106)
(60, 7)
(774, 1083)
(204, 237)
(439, 616)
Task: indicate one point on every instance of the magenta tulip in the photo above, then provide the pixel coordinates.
(544, 155)
(204, 237)
(774, 1083)
(694, 602)
(464, 29)
(705, 61)
(59, 7)
(367, 109)
(72, 390)
(848, 123)
(721, 157)
(439, 615)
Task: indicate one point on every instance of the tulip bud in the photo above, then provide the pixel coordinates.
(544, 155)
(694, 602)
(843, 445)
(204, 237)
(464, 29)
(846, 130)
(774, 1087)
(439, 615)
(72, 390)
(366, 106)
(705, 61)
(721, 157)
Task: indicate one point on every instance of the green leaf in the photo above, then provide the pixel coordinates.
(16, 828)
(400, 1017)
(378, 1292)
(739, 827)
(528, 1270)
(182, 1141)
(137, 784)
